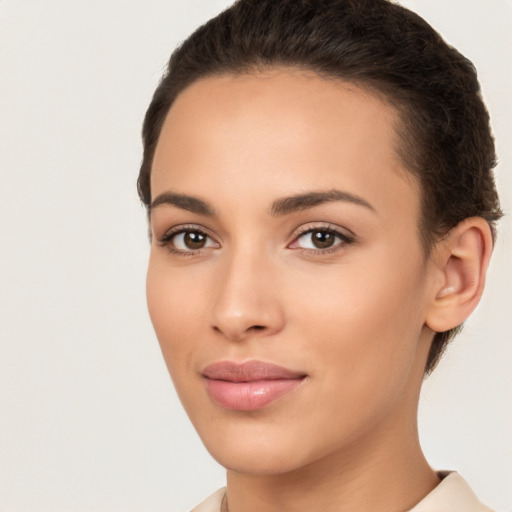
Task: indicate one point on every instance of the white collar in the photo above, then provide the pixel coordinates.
(452, 494)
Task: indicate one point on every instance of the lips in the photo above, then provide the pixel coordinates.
(249, 386)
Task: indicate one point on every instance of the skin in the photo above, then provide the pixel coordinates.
(354, 318)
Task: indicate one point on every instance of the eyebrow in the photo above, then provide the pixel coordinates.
(280, 207)
(300, 202)
(189, 203)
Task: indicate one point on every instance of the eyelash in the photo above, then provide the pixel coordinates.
(345, 239)
(167, 238)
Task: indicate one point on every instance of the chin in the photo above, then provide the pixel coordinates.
(256, 462)
(262, 449)
(252, 448)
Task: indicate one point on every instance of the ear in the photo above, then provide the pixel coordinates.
(461, 261)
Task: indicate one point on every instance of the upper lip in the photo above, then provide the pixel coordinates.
(249, 371)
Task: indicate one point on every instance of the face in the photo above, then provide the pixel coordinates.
(287, 284)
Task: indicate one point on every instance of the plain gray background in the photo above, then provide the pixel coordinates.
(88, 417)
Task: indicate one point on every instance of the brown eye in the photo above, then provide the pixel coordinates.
(194, 240)
(322, 239)
(187, 241)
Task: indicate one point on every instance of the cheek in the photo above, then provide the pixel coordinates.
(370, 303)
(361, 329)
(176, 309)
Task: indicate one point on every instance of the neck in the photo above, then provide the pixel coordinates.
(387, 475)
(384, 471)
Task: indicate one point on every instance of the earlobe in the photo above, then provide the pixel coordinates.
(462, 261)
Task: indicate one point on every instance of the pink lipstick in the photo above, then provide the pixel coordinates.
(249, 386)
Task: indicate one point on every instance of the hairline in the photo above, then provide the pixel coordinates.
(373, 89)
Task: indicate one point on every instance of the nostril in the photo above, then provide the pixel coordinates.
(252, 328)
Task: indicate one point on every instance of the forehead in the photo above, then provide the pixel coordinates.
(281, 131)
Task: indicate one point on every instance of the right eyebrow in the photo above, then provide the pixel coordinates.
(189, 203)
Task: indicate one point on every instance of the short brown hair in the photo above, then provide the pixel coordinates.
(446, 141)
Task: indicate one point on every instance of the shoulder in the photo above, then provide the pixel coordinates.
(453, 493)
(212, 503)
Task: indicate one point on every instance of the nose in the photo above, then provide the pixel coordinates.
(247, 298)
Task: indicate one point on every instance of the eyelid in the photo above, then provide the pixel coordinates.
(346, 236)
(166, 239)
(327, 226)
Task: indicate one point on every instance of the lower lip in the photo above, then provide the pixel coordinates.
(249, 396)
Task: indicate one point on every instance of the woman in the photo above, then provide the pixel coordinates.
(318, 179)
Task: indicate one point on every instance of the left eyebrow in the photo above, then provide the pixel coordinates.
(287, 205)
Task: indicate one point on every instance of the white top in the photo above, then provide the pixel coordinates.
(453, 494)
